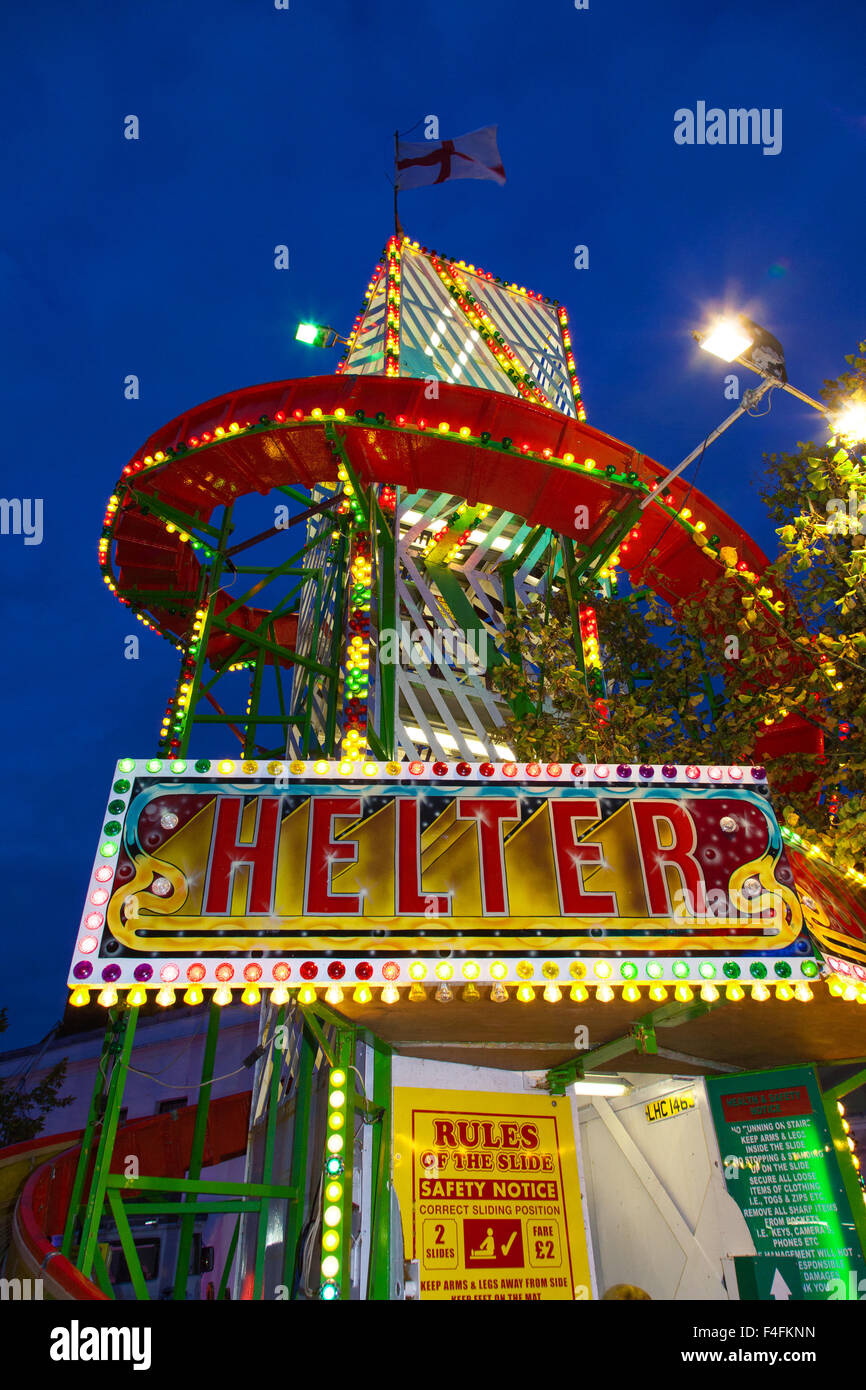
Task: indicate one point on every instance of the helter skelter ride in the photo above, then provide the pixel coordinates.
(333, 823)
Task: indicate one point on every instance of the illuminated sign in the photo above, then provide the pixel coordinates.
(232, 868)
(669, 1105)
(489, 1195)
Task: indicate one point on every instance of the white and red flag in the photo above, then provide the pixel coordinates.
(472, 156)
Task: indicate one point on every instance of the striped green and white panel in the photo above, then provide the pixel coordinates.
(367, 355)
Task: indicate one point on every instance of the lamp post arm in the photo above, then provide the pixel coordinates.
(786, 386)
(750, 399)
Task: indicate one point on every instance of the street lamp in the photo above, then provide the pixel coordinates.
(736, 338)
(726, 338)
(849, 424)
(318, 335)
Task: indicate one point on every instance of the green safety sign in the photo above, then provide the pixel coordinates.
(786, 1163)
(769, 1277)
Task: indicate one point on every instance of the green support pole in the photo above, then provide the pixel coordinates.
(187, 1225)
(566, 546)
(300, 1150)
(387, 617)
(201, 652)
(844, 1088)
(317, 1033)
(255, 699)
(127, 1244)
(267, 1165)
(379, 1271)
(101, 1275)
(227, 1267)
(850, 1179)
(640, 1038)
(339, 617)
(105, 1147)
(109, 1044)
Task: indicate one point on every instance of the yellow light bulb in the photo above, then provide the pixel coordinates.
(709, 993)
(578, 994)
(803, 993)
(658, 993)
(631, 994)
(279, 995)
(470, 992)
(165, 997)
(417, 993)
(760, 992)
(525, 994)
(604, 993)
(552, 993)
(735, 993)
(251, 995)
(683, 993)
(307, 994)
(330, 1240)
(390, 994)
(193, 994)
(362, 994)
(107, 997)
(333, 995)
(222, 996)
(498, 993)
(79, 997)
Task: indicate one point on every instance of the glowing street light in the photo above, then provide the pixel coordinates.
(318, 335)
(849, 424)
(736, 338)
(726, 338)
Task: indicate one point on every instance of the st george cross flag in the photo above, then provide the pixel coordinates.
(473, 156)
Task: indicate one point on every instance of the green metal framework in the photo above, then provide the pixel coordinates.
(98, 1193)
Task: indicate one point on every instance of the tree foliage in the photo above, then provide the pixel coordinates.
(701, 682)
(22, 1112)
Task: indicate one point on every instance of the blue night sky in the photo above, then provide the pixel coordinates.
(262, 126)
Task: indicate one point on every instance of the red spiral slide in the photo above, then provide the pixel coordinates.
(36, 1180)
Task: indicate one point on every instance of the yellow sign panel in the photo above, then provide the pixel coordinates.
(669, 1105)
(490, 1195)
